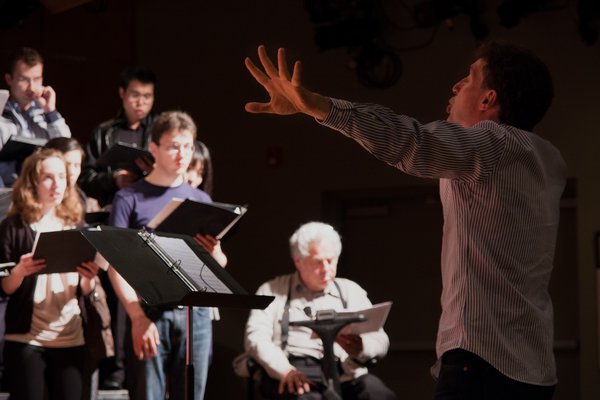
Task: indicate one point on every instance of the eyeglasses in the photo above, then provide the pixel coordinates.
(146, 97)
(179, 148)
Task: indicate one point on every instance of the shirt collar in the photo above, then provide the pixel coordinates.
(15, 106)
(299, 290)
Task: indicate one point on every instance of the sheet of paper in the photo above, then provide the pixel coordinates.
(193, 266)
(4, 95)
(376, 316)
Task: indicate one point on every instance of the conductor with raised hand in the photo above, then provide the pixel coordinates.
(500, 187)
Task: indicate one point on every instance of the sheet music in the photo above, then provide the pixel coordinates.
(194, 267)
(376, 316)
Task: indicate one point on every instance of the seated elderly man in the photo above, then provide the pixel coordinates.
(291, 355)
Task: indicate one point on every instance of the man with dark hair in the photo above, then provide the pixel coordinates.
(31, 109)
(500, 187)
(156, 355)
(131, 126)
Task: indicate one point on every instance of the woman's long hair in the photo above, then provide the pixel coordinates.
(25, 200)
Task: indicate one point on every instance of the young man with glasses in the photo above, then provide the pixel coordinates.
(156, 353)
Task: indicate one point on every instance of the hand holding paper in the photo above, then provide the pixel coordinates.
(376, 316)
(352, 344)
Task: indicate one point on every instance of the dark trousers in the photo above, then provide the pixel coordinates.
(465, 376)
(112, 369)
(31, 370)
(362, 388)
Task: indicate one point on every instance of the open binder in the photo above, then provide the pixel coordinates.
(189, 217)
(170, 269)
(18, 148)
(123, 156)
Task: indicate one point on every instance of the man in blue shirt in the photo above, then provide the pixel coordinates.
(156, 354)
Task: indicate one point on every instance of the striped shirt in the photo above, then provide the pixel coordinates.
(500, 189)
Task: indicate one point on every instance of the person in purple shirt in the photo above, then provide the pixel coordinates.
(155, 362)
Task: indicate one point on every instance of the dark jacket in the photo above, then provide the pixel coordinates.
(16, 239)
(97, 181)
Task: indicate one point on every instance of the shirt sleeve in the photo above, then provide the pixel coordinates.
(57, 126)
(439, 149)
(122, 207)
(375, 344)
(260, 339)
(7, 129)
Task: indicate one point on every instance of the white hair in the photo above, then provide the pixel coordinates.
(314, 232)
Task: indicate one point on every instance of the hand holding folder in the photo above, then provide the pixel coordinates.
(123, 156)
(62, 250)
(189, 217)
(375, 315)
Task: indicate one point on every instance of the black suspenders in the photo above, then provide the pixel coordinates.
(285, 318)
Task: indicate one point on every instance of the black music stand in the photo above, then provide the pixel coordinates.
(327, 324)
(168, 270)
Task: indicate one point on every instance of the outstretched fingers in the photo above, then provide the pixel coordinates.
(258, 108)
(296, 75)
(256, 72)
(284, 72)
(267, 63)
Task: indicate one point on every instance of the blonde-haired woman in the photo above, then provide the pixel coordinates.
(44, 343)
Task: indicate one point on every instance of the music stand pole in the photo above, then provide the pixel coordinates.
(327, 325)
(189, 359)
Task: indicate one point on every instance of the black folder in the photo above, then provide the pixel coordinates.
(97, 217)
(123, 156)
(62, 250)
(190, 217)
(170, 269)
(18, 148)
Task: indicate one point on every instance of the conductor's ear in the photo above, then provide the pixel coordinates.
(489, 100)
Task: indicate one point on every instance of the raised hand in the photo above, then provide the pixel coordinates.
(287, 95)
(47, 99)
